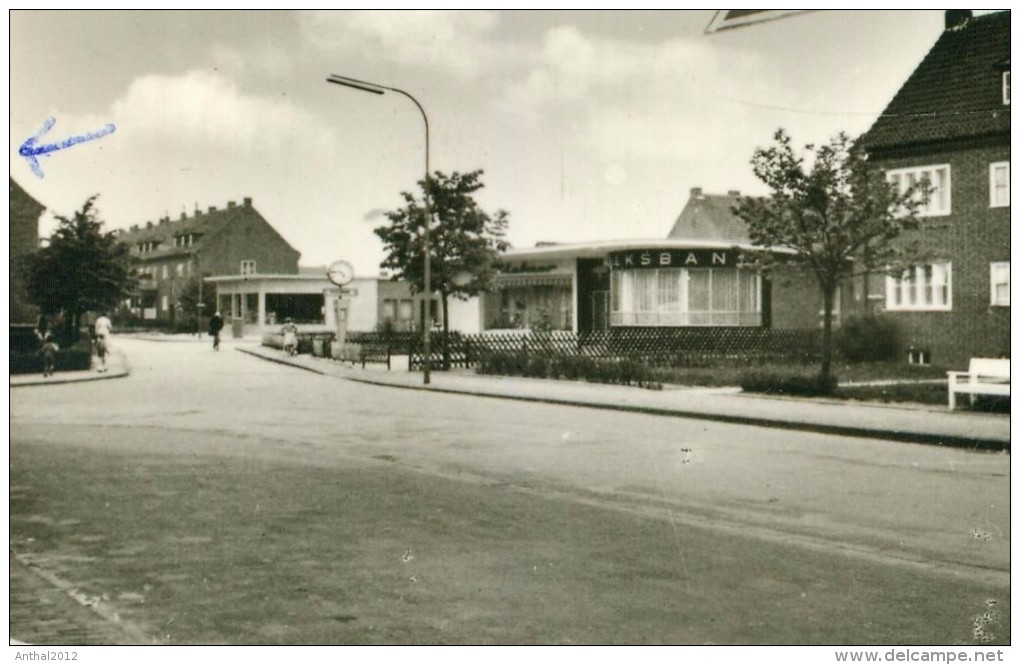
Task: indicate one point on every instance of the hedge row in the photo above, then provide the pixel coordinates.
(619, 371)
(68, 360)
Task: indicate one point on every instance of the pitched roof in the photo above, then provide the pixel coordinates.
(956, 91)
(18, 196)
(710, 217)
(204, 225)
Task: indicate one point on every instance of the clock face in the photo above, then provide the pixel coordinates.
(340, 273)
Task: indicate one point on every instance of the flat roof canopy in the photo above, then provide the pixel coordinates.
(602, 248)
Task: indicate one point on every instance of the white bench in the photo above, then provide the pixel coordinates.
(985, 376)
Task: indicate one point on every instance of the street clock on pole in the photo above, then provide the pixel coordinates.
(340, 272)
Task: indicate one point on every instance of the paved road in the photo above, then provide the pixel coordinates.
(928, 509)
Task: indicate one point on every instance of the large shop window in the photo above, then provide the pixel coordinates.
(924, 288)
(937, 177)
(686, 297)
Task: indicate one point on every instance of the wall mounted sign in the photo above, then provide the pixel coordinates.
(674, 258)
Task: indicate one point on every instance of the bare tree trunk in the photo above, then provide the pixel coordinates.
(828, 298)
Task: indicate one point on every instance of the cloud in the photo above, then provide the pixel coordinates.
(264, 60)
(626, 99)
(207, 108)
(454, 42)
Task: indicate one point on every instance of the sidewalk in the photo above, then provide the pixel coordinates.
(897, 422)
(116, 367)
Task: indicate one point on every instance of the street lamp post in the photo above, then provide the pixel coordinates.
(377, 89)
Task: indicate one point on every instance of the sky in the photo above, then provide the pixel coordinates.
(588, 125)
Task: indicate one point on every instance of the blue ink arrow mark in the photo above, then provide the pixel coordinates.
(30, 151)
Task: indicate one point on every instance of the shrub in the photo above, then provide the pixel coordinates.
(786, 383)
(537, 366)
(571, 367)
(68, 360)
(866, 338)
(620, 371)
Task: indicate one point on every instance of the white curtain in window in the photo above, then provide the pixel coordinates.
(668, 287)
(725, 294)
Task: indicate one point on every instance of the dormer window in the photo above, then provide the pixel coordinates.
(1005, 87)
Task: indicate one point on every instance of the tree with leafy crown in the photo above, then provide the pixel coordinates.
(81, 269)
(464, 241)
(838, 214)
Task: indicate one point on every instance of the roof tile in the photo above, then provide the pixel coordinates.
(956, 91)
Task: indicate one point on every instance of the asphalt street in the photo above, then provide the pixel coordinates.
(923, 510)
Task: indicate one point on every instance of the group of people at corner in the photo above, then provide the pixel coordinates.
(48, 347)
(289, 331)
(102, 329)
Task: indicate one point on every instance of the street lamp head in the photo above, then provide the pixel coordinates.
(356, 84)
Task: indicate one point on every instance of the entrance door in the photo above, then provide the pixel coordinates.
(600, 311)
(592, 295)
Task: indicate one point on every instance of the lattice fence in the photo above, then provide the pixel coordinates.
(663, 347)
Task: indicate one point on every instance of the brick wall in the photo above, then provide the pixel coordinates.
(23, 232)
(973, 236)
(797, 300)
(248, 238)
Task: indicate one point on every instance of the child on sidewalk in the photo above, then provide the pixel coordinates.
(290, 340)
(49, 354)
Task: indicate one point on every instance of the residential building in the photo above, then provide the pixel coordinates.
(24, 239)
(949, 126)
(236, 240)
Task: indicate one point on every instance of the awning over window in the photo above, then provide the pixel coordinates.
(512, 281)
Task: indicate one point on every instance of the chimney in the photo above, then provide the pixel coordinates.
(957, 18)
(733, 192)
(695, 192)
(148, 225)
(230, 204)
(134, 227)
(247, 202)
(184, 215)
(212, 209)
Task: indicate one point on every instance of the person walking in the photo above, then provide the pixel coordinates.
(49, 354)
(102, 328)
(215, 326)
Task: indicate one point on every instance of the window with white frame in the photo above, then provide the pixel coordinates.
(166, 303)
(248, 267)
(1005, 87)
(922, 288)
(998, 184)
(180, 270)
(1000, 283)
(938, 178)
(166, 271)
(682, 297)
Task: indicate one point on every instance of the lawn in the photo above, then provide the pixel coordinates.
(724, 375)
